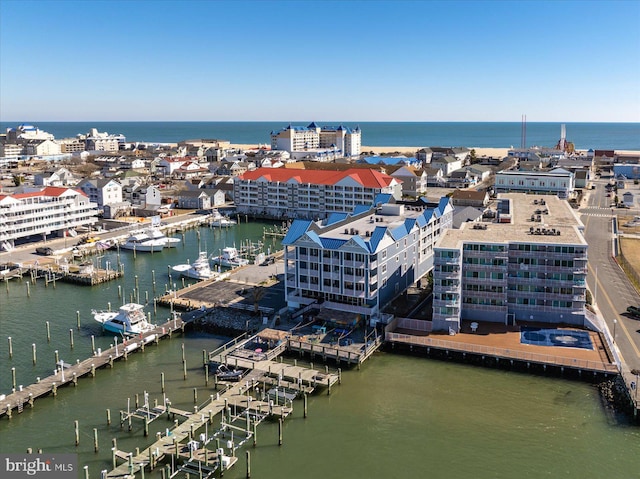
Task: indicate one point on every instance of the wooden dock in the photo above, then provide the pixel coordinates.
(70, 373)
(240, 413)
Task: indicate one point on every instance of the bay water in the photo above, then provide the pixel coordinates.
(398, 417)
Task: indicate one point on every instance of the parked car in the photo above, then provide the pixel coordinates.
(44, 251)
(268, 260)
(634, 312)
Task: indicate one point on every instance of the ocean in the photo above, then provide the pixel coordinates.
(619, 136)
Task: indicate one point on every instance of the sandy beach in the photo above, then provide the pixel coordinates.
(400, 150)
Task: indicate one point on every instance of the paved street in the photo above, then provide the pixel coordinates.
(610, 287)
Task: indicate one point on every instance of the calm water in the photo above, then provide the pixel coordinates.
(398, 417)
(621, 136)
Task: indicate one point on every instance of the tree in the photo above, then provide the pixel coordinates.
(257, 293)
(18, 180)
(472, 156)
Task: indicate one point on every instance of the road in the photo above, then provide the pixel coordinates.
(612, 291)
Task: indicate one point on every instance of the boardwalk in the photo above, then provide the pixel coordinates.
(70, 373)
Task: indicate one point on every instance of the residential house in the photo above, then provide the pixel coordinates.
(448, 164)
(477, 199)
(194, 200)
(414, 181)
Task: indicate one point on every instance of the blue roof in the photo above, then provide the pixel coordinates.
(381, 198)
(296, 230)
(360, 242)
(408, 223)
(386, 160)
(332, 243)
(335, 217)
(361, 209)
(399, 232)
(376, 237)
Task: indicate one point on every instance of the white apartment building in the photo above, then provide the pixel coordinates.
(47, 211)
(313, 194)
(513, 269)
(339, 138)
(102, 191)
(99, 141)
(357, 263)
(558, 182)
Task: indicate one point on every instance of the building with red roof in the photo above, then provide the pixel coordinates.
(312, 194)
(45, 211)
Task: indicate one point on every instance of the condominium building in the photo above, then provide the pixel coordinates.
(47, 211)
(357, 263)
(313, 194)
(530, 264)
(558, 182)
(343, 139)
(99, 141)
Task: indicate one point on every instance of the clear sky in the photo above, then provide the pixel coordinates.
(329, 60)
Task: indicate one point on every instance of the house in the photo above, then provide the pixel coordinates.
(448, 164)
(41, 147)
(194, 200)
(57, 177)
(424, 155)
(102, 191)
(628, 199)
(478, 199)
(582, 178)
(414, 182)
(131, 164)
(169, 165)
(556, 182)
(466, 214)
(435, 177)
(190, 169)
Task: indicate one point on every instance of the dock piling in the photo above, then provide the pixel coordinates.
(77, 432)
(86, 472)
(108, 417)
(33, 353)
(248, 465)
(13, 378)
(57, 356)
(95, 439)
(10, 348)
(78, 319)
(161, 382)
(71, 338)
(184, 369)
(48, 332)
(279, 431)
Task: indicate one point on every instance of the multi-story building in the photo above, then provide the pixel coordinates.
(97, 141)
(314, 194)
(102, 191)
(357, 263)
(46, 211)
(343, 139)
(71, 145)
(530, 264)
(555, 182)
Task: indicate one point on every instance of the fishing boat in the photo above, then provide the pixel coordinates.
(199, 269)
(128, 320)
(141, 241)
(218, 219)
(229, 258)
(156, 234)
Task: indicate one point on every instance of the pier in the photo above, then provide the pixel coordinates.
(70, 373)
(266, 391)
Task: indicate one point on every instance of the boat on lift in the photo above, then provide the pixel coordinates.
(156, 234)
(199, 269)
(128, 320)
(142, 242)
(218, 219)
(230, 258)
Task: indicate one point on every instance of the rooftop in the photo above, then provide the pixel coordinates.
(559, 216)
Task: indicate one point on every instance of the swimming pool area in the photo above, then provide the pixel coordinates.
(555, 337)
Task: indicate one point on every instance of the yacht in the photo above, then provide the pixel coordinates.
(218, 219)
(128, 320)
(155, 233)
(141, 241)
(199, 269)
(230, 258)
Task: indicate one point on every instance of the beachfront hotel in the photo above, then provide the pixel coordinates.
(345, 141)
(529, 264)
(45, 211)
(353, 265)
(310, 194)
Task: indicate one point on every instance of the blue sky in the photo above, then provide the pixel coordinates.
(330, 60)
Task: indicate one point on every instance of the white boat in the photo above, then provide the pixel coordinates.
(218, 219)
(128, 320)
(156, 234)
(199, 269)
(230, 258)
(141, 241)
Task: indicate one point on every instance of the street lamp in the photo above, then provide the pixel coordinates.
(615, 321)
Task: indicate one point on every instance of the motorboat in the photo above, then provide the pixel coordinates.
(218, 219)
(223, 373)
(199, 269)
(128, 320)
(141, 241)
(229, 258)
(156, 234)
